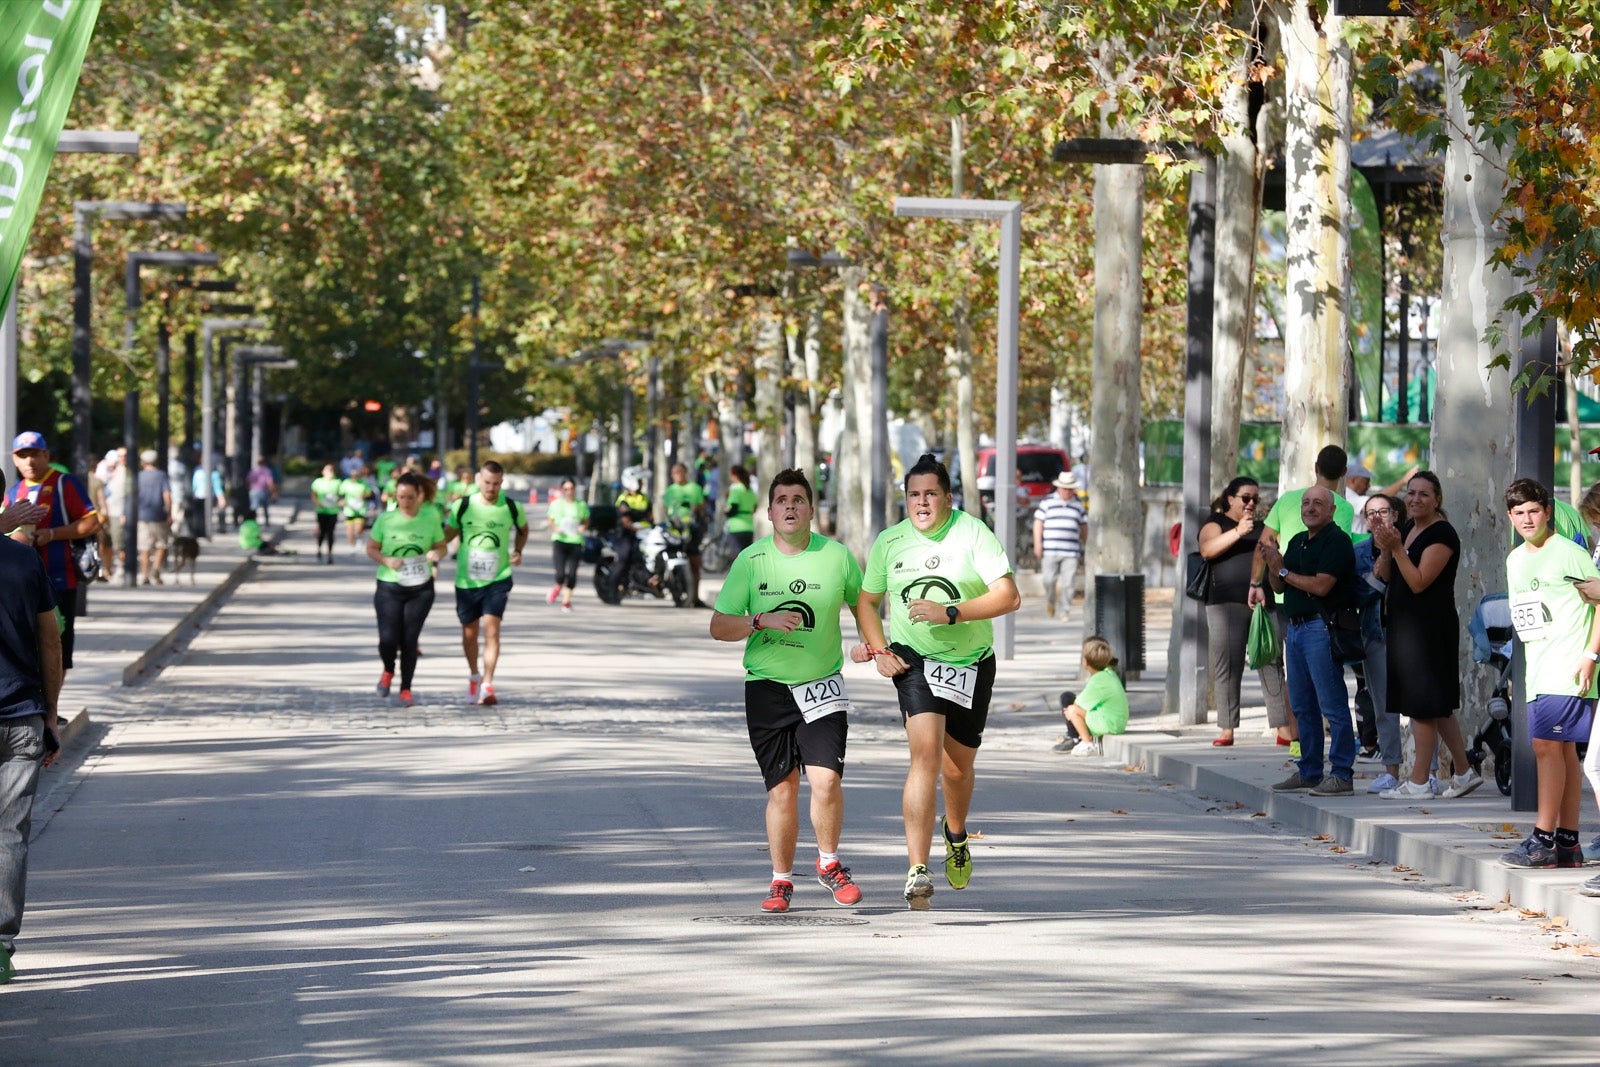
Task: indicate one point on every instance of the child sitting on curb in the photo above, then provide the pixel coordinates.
(1102, 707)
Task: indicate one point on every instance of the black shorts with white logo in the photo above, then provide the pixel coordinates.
(962, 725)
(782, 739)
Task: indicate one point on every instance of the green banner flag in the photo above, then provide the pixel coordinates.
(42, 44)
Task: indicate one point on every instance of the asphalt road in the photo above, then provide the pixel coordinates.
(260, 862)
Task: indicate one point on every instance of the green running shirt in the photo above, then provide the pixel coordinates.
(741, 509)
(408, 539)
(325, 491)
(817, 583)
(487, 537)
(955, 563)
(566, 515)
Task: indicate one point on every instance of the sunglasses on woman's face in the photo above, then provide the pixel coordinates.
(1249, 498)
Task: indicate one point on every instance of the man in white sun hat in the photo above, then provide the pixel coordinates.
(1059, 524)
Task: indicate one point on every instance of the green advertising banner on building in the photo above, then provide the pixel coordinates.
(1387, 449)
(42, 44)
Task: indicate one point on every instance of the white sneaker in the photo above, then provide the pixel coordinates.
(1383, 783)
(473, 680)
(1408, 790)
(1088, 748)
(1462, 784)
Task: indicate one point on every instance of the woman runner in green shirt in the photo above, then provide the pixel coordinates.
(405, 544)
(946, 576)
(568, 520)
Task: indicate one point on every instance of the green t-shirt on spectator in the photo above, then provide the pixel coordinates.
(1284, 518)
(250, 535)
(1105, 703)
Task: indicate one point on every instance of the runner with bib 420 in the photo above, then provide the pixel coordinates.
(782, 599)
(946, 576)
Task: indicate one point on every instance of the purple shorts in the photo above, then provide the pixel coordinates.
(1553, 718)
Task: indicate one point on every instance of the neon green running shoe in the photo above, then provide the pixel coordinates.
(957, 859)
(1294, 750)
(919, 889)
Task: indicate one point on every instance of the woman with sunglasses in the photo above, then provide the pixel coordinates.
(1228, 542)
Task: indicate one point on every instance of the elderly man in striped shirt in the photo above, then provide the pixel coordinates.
(1058, 528)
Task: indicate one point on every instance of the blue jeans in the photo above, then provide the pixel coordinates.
(1317, 692)
(21, 749)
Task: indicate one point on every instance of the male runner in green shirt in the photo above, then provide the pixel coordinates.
(946, 576)
(685, 505)
(782, 598)
(493, 531)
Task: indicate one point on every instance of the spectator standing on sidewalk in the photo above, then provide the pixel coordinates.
(155, 517)
(1378, 728)
(263, 485)
(1419, 561)
(30, 683)
(1228, 539)
(1561, 634)
(1059, 527)
(782, 598)
(68, 515)
(1316, 577)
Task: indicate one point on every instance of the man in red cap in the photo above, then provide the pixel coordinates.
(64, 514)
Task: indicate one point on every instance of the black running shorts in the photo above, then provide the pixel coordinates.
(782, 739)
(962, 725)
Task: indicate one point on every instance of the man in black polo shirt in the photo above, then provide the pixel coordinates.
(30, 682)
(1316, 575)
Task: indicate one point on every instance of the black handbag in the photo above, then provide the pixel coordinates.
(1344, 636)
(1199, 586)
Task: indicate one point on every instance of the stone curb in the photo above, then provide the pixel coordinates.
(149, 662)
(1448, 848)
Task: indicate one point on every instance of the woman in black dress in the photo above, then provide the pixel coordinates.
(1227, 540)
(1418, 561)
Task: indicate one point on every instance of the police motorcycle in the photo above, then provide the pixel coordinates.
(658, 566)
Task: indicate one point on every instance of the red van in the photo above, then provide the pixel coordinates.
(1037, 467)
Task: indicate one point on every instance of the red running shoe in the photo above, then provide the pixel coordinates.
(405, 698)
(778, 897)
(486, 694)
(835, 878)
(384, 681)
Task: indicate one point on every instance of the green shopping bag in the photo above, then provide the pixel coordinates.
(1261, 646)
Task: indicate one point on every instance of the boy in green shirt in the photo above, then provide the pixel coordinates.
(1560, 631)
(1102, 707)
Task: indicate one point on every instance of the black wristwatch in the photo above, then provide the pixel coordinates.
(952, 613)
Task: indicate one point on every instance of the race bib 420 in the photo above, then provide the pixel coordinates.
(825, 696)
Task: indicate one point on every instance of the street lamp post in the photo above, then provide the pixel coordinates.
(1008, 213)
(244, 357)
(257, 360)
(130, 414)
(211, 330)
(84, 212)
(135, 299)
(96, 142)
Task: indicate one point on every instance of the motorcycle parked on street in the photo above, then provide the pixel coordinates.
(658, 567)
(1491, 634)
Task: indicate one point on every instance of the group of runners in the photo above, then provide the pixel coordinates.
(946, 576)
(943, 572)
(407, 543)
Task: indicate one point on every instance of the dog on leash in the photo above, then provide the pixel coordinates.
(184, 552)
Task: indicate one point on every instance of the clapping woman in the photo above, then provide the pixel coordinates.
(1418, 561)
(1228, 540)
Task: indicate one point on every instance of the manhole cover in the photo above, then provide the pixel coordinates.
(780, 920)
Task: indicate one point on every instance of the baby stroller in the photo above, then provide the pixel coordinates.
(1491, 632)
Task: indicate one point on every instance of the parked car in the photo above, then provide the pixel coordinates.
(1037, 467)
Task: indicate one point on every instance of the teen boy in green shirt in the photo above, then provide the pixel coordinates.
(1561, 634)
